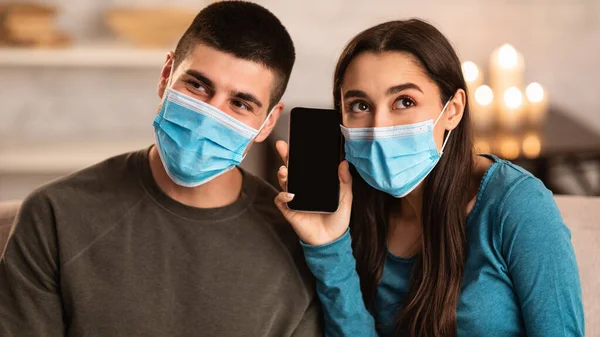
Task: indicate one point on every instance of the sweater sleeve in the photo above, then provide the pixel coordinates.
(338, 287)
(311, 324)
(30, 302)
(536, 246)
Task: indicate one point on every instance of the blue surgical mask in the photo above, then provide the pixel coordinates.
(198, 142)
(394, 159)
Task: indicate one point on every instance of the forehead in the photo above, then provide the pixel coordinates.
(229, 72)
(385, 69)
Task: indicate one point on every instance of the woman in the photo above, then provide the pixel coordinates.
(441, 242)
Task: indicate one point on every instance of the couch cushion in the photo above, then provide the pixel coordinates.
(581, 215)
(8, 211)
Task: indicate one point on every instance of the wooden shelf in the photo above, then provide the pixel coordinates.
(100, 55)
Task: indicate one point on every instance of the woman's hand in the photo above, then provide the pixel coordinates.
(316, 228)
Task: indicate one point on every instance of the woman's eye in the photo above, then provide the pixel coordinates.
(241, 105)
(359, 107)
(403, 103)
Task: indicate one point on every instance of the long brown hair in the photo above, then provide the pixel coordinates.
(430, 306)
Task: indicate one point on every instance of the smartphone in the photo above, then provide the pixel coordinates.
(314, 155)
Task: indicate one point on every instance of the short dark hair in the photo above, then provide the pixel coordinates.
(247, 31)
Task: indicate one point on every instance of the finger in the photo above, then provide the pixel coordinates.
(282, 175)
(281, 200)
(345, 185)
(282, 149)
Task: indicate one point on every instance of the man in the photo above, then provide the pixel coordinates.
(174, 240)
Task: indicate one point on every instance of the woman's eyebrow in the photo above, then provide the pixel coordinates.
(355, 94)
(397, 88)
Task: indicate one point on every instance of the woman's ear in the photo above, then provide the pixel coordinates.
(165, 73)
(455, 109)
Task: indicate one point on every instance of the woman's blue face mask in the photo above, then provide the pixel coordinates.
(394, 159)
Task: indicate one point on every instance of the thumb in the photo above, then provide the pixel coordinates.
(345, 185)
(281, 200)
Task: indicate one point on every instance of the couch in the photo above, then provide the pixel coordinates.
(581, 214)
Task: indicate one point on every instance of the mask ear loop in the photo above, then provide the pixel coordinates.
(171, 73)
(265, 122)
(438, 119)
(258, 132)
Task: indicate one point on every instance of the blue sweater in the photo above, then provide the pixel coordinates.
(521, 277)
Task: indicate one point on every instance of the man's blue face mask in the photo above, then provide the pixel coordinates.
(394, 159)
(198, 142)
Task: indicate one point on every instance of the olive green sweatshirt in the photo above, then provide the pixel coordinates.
(104, 252)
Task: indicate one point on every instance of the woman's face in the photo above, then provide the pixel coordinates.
(391, 88)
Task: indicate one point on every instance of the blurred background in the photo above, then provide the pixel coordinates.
(78, 78)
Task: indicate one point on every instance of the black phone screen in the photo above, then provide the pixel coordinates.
(313, 159)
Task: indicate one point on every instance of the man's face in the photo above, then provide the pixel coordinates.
(240, 88)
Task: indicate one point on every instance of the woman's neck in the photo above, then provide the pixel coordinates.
(405, 229)
(412, 205)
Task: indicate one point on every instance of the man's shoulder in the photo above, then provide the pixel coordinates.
(262, 189)
(264, 208)
(75, 209)
(269, 216)
(100, 192)
(263, 198)
(109, 176)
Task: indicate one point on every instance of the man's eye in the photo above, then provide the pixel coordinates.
(359, 107)
(403, 103)
(241, 105)
(197, 86)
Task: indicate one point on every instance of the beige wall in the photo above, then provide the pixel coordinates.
(559, 39)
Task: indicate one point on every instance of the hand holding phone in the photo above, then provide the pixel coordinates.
(316, 228)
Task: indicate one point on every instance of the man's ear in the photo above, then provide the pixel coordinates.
(455, 109)
(165, 73)
(270, 123)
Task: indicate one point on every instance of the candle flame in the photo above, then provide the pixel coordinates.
(513, 97)
(470, 71)
(507, 56)
(484, 95)
(534, 92)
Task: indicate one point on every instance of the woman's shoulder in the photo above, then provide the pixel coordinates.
(514, 201)
(506, 184)
(522, 217)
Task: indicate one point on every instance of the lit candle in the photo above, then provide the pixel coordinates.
(532, 145)
(537, 107)
(506, 68)
(472, 76)
(482, 110)
(509, 147)
(511, 109)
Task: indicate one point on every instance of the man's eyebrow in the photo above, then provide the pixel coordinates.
(246, 96)
(200, 77)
